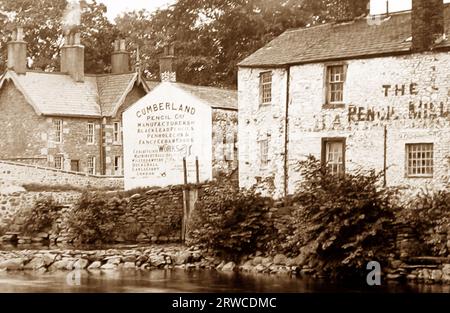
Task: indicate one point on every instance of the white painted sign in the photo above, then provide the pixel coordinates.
(159, 130)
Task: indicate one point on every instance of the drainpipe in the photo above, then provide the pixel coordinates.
(286, 132)
(385, 157)
(102, 147)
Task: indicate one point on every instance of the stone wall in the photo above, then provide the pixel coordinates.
(14, 200)
(409, 95)
(224, 141)
(12, 173)
(151, 216)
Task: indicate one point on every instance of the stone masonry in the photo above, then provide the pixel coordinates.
(407, 95)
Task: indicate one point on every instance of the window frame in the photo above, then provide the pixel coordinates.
(118, 170)
(263, 162)
(89, 135)
(328, 104)
(262, 86)
(93, 158)
(324, 155)
(58, 134)
(407, 159)
(118, 133)
(61, 165)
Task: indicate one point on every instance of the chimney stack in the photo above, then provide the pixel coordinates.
(72, 56)
(17, 52)
(167, 68)
(120, 58)
(427, 23)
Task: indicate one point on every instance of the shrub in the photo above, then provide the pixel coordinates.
(346, 219)
(428, 214)
(40, 217)
(231, 223)
(93, 219)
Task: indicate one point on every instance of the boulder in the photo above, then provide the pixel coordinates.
(129, 265)
(229, 267)
(182, 258)
(95, 265)
(257, 260)
(108, 266)
(49, 259)
(129, 258)
(436, 276)
(157, 260)
(280, 259)
(35, 264)
(59, 265)
(12, 264)
(81, 264)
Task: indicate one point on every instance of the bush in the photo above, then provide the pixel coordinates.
(93, 219)
(40, 217)
(231, 223)
(428, 214)
(347, 220)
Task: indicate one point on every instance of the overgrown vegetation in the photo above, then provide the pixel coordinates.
(428, 215)
(93, 219)
(231, 223)
(343, 222)
(40, 217)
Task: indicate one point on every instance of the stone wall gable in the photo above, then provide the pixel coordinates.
(9, 78)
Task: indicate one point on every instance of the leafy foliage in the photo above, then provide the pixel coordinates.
(348, 218)
(231, 223)
(40, 217)
(42, 22)
(93, 219)
(428, 214)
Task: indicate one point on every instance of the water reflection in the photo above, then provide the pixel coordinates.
(182, 281)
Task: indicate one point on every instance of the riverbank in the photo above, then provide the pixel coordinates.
(167, 257)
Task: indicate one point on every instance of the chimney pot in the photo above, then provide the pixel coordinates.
(120, 58)
(123, 45)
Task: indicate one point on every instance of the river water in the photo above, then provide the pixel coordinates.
(184, 281)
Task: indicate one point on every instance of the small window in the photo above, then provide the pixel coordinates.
(58, 130)
(265, 81)
(333, 155)
(91, 165)
(59, 162)
(419, 160)
(116, 132)
(264, 152)
(118, 165)
(90, 133)
(335, 84)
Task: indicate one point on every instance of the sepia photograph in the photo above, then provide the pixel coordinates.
(217, 155)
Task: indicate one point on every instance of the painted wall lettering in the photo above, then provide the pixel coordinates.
(400, 90)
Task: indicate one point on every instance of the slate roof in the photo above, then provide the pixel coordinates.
(217, 98)
(58, 94)
(360, 38)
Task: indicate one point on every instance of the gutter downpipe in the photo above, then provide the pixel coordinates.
(286, 133)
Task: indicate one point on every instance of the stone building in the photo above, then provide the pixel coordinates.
(370, 93)
(176, 120)
(68, 120)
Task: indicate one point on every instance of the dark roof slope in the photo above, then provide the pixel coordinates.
(217, 98)
(362, 37)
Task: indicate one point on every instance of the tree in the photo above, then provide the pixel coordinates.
(42, 22)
